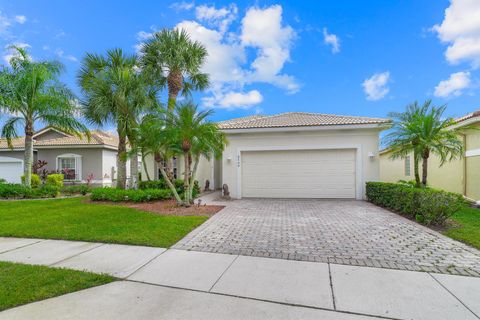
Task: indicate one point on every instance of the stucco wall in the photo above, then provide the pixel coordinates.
(50, 134)
(366, 139)
(13, 154)
(91, 159)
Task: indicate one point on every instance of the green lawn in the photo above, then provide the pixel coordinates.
(468, 230)
(75, 219)
(21, 284)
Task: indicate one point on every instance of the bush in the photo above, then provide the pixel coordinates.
(425, 205)
(161, 184)
(36, 182)
(55, 179)
(82, 189)
(117, 195)
(14, 190)
(45, 191)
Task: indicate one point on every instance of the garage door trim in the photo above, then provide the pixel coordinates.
(358, 161)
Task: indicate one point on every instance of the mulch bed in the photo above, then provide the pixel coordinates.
(169, 208)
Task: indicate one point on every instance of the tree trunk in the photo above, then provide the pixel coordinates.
(145, 167)
(134, 171)
(425, 155)
(186, 180)
(175, 84)
(170, 184)
(192, 178)
(415, 170)
(121, 161)
(27, 165)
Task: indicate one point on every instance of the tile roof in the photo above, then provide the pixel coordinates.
(471, 115)
(296, 119)
(97, 138)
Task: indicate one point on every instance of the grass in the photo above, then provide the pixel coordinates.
(468, 229)
(21, 284)
(76, 219)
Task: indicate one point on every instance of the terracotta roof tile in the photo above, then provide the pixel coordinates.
(296, 119)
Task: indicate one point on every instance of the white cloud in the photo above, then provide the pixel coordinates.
(262, 29)
(11, 53)
(231, 100)
(454, 85)
(20, 19)
(331, 40)
(221, 18)
(144, 35)
(376, 87)
(461, 30)
(183, 5)
(61, 54)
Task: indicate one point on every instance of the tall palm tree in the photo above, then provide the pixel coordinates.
(172, 58)
(115, 92)
(424, 131)
(30, 92)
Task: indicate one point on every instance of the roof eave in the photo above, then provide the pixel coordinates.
(378, 126)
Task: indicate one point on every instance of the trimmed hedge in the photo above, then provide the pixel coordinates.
(35, 180)
(55, 179)
(427, 206)
(19, 191)
(161, 184)
(117, 195)
(82, 189)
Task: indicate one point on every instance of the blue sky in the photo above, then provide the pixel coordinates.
(343, 57)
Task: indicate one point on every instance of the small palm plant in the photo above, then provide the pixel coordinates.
(423, 131)
(186, 132)
(30, 92)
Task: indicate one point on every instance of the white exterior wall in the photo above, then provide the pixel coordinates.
(109, 161)
(365, 141)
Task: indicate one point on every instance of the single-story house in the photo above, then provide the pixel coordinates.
(293, 155)
(82, 157)
(461, 176)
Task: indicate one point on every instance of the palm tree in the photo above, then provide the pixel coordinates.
(187, 132)
(172, 58)
(423, 130)
(30, 93)
(115, 92)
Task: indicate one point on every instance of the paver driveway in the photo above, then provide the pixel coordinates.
(337, 231)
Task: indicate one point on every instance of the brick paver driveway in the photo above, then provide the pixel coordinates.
(337, 231)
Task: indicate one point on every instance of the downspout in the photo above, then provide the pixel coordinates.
(464, 136)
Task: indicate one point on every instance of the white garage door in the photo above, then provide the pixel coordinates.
(299, 174)
(11, 169)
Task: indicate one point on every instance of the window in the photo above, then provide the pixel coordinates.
(407, 166)
(70, 166)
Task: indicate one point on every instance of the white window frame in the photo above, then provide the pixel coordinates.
(78, 164)
(407, 169)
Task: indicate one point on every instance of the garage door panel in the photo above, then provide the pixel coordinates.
(299, 174)
(11, 171)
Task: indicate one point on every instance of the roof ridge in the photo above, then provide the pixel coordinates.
(326, 114)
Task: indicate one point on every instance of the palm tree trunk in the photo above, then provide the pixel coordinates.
(170, 184)
(186, 180)
(416, 169)
(134, 171)
(28, 157)
(192, 178)
(424, 170)
(121, 161)
(145, 167)
(175, 84)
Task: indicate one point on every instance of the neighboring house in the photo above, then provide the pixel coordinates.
(294, 155)
(60, 150)
(461, 176)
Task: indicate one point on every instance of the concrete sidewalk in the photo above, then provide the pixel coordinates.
(179, 284)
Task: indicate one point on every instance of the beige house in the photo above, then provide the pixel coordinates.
(294, 155)
(461, 176)
(82, 157)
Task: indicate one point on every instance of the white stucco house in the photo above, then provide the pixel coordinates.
(293, 155)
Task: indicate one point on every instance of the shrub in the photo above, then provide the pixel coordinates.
(117, 195)
(161, 184)
(55, 179)
(14, 190)
(425, 205)
(35, 181)
(82, 189)
(45, 191)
